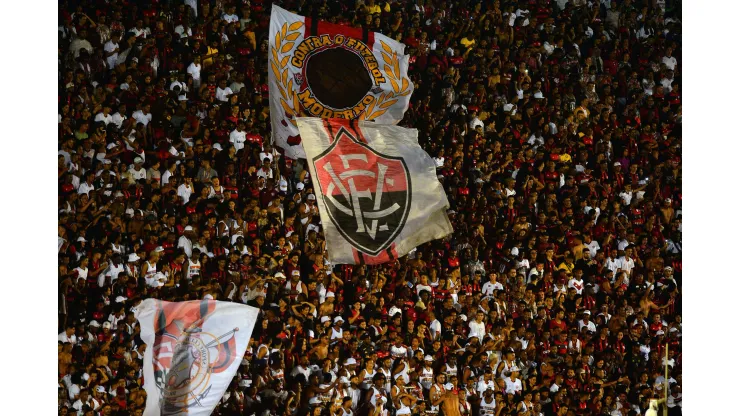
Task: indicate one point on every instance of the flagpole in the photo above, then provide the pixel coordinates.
(665, 386)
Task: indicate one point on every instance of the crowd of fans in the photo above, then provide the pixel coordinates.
(556, 128)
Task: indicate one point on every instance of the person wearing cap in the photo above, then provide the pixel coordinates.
(308, 210)
(336, 329)
(137, 171)
(131, 267)
(513, 383)
(295, 286)
(185, 241)
(586, 322)
(349, 368)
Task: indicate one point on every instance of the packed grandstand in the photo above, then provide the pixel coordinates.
(555, 127)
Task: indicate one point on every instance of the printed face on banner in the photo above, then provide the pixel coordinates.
(185, 356)
(367, 194)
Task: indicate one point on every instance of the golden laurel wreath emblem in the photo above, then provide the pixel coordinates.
(400, 85)
(284, 42)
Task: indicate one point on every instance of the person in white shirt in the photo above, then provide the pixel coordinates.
(85, 400)
(486, 382)
(475, 122)
(237, 83)
(626, 195)
(115, 268)
(223, 92)
(398, 350)
(586, 321)
(139, 30)
(185, 242)
(477, 326)
(669, 60)
(185, 190)
(230, 15)
(267, 153)
(302, 368)
(117, 316)
(537, 272)
(194, 5)
(137, 171)
(143, 116)
(491, 285)
(111, 50)
(238, 136)
(626, 264)
(612, 262)
(593, 245)
(576, 284)
(177, 83)
(623, 242)
(87, 186)
(435, 327)
(423, 285)
(68, 335)
(396, 308)
(439, 161)
(667, 82)
(265, 171)
(168, 173)
(513, 384)
(194, 71)
(104, 116)
(119, 116)
(183, 30)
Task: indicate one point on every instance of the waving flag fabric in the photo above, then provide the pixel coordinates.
(193, 350)
(325, 70)
(377, 190)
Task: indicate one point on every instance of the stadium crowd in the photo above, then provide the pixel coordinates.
(556, 128)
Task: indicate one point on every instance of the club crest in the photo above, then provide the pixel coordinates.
(367, 194)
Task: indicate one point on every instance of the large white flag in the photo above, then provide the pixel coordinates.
(193, 350)
(320, 69)
(377, 190)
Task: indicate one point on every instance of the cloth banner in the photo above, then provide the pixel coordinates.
(193, 350)
(376, 189)
(320, 69)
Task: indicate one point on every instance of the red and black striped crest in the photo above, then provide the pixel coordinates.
(367, 194)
